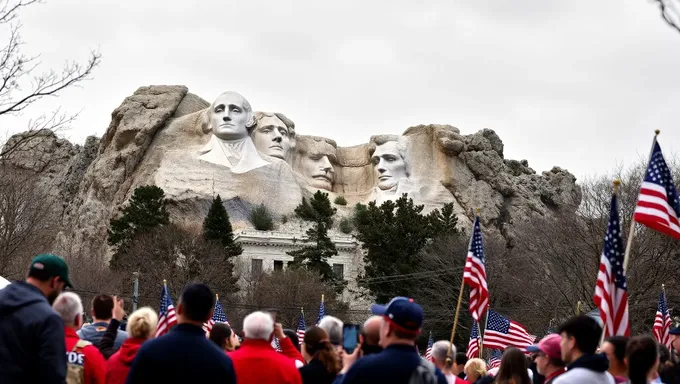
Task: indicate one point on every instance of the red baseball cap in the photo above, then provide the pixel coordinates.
(550, 345)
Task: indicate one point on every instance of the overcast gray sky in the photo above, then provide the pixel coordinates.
(581, 84)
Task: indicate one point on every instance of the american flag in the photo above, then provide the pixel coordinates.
(301, 328)
(322, 311)
(475, 274)
(502, 333)
(218, 316)
(428, 351)
(662, 323)
(473, 344)
(658, 205)
(166, 315)
(611, 296)
(276, 344)
(495, 359)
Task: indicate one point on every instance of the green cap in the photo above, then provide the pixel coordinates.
(52, 266)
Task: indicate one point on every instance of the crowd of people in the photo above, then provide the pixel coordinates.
(43, 340)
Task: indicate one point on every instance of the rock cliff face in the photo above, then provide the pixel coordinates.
(155, 134)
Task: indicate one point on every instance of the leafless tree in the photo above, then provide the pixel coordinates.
(670, 12)
(27, 221)
(23, 82)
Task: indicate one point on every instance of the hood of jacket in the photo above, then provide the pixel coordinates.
(129, 349)
(18, 295)
(591, 362)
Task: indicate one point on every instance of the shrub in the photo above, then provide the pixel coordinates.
(284, 219)
(261, 218)
(340, 200)
(345, 226)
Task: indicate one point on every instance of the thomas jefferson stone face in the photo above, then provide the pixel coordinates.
(389, 164)
(229, 117)
(272, 137)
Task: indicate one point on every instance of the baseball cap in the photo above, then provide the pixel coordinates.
(550, 345)
(402, 312)
(674, 331)
(52, 266)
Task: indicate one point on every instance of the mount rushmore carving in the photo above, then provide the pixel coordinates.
(194, 150)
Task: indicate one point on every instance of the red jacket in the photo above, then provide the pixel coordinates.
(93, 362)
(118, 365)
(289, 350)
(257, 362)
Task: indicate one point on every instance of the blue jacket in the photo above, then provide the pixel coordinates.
(32, 341)
(94, 332)
(183, 356)
(393, 365)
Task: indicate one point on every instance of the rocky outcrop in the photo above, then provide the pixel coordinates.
(155, 135)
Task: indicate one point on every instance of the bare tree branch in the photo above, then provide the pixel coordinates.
(666, 8)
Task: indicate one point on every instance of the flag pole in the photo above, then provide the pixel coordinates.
(482, 332)
(631, 232)
(449, 357)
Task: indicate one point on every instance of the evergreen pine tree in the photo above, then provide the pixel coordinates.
(444, 222)
(217, 227)
(314, 257)
(147, 209)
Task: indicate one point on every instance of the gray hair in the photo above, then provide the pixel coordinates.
(333, 327)
(440, 350)
(258, 325)
(69, 306)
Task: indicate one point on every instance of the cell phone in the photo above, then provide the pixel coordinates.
(350, 337)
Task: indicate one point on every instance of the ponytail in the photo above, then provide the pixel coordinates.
(325, 353)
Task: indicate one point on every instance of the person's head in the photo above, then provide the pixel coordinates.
(102, 308)
(49, 273)
(69, 306)
(224, 337)
(513, 367)
(547, 354)
(664, 356)
(615, 349)
(580, 335)
(315, 160)
(273, 135)
(292, 335)
(195, 304)
(642, 358)
(370, 331)
(258, 326)
(316, 345)
(402, 321)
(390, 160)
(333, 327)
(675, 339)
(459, 362)
(440, 352)
(142, 323)
(229, 117)
(474, 369)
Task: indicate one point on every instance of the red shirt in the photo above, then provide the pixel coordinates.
(289, 350)
(93, 362)
(118, 365)
(257, 362)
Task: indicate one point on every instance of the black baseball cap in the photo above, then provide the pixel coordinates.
(51, 266)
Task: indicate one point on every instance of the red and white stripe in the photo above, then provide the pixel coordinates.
(660, 331)
(166, 322)
(517, 336)
(301, 336)
(653, 210)
(474, 276)
(473, 349)
(612, 302)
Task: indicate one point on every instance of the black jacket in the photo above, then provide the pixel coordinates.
(32, 341)
(183, 356)
(316, 373)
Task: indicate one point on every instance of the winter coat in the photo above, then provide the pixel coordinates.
(182, 356)
(257, 362)
(395, 364)
(94, 332)
(289, 350)
(315, 373)
(587, 369)
(118, 365)
(32, 341)
(94, 365)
